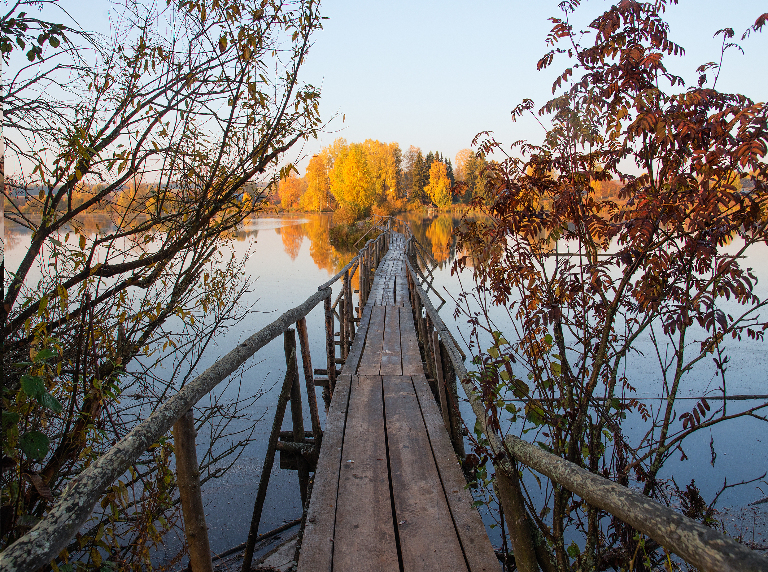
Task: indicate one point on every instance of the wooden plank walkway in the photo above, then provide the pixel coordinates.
(389, 493)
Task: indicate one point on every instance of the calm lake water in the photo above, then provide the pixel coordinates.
(288, 257)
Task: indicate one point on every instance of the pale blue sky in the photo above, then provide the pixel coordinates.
(433, 73)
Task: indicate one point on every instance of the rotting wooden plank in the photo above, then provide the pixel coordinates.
(358, 344)
(391, 353)
(428, 539)
(364, 537)
(410, 345)
(370, 362)
(474, 540)
(317, 545)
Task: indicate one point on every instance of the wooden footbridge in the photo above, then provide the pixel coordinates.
(388, 492)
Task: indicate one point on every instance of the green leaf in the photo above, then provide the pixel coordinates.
(50, 402)
(34, 445)
(544, 446)
(494, 352)
(27, 520)
(10, 418)
(548, 339)
(44, 354)
(32, 385)
(54, 41)
(534, 416)
(573, 550)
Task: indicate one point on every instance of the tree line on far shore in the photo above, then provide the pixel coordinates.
(357, 179)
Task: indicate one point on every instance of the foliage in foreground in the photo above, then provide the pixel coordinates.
(167, 123)
(586, 283)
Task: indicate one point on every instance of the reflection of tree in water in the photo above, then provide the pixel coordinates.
(14, 237)
(325, 256)
(440, 235)
(320, 244)
(292, 236)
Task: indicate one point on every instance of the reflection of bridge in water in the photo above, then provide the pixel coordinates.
(388, 492)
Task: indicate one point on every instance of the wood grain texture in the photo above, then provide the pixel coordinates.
(370, 362)
(358, 344)
(428, 539)
(391, 354)
(474, 541)
(317, 546)
(364, 538)
(410, 345)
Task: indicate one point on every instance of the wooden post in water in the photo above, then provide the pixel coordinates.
(330, 345)
(297, 416)
(456, 425)
(309, 378)
(363, 279)
(348, 305)
(342, 327)
(188, 478)
(440, 380)
(291, 375)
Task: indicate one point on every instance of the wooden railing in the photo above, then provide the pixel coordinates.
(705, 548)
(299, 449)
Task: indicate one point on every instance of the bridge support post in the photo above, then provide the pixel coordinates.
(330, 350)
(440, 380)
(188, 475)
(454, 415)
(291, 377)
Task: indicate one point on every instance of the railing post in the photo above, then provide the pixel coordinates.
(291, 375)
(439, 380)
(188, 478)
(350, 328)
(363, 280)
(449, 374)
(342, 326)
(297, 416)
(309, 378)
(330, 347)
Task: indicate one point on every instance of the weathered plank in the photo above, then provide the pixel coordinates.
(370, 363)
(474, 540)
(410, 345)
(317, 546)
(358, 344)
(364, 538)
(391, 355)
(428, 539)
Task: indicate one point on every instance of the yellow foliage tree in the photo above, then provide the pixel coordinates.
(439, 187)
(460, 170)
(318, 186)
(290, 190)
(351, 183)
(384, 164)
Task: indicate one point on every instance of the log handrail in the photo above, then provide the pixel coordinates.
(51, 535)
(699, 545)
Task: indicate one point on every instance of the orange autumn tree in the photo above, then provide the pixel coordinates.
(658, 269)
(290, 190)
(316, 197)
(351, 182)
(439, 187)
